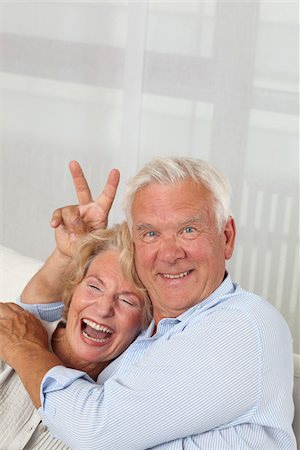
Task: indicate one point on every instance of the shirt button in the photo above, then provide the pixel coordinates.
(43, 428)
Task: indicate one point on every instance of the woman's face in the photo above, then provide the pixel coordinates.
(105, 313)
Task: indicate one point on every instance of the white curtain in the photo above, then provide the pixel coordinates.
(113, 84)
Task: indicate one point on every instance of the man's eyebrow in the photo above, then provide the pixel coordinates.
(144, 226)
(187, 221)
(193, 219)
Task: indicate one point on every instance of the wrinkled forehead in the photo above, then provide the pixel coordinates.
(105, 260)
(188, 182)
(172, 202)
(185, 191)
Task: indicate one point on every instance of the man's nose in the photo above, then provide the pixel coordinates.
(171, 250)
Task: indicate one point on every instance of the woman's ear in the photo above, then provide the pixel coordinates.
(229, 234)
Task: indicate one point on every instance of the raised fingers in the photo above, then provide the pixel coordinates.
(82, 188)
(69, 213)
(93, 214)
(69, 217)
(107, 196)
(56, 218)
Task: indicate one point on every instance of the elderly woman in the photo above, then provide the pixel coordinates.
(105, 308)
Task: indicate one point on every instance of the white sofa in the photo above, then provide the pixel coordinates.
(16, 270)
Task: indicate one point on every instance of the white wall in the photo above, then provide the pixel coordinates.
(113, 84)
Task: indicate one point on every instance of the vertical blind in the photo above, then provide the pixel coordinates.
(113, 84)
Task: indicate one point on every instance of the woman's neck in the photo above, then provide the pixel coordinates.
(61, 348)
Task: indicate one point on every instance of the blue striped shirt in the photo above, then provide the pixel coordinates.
(219, 376)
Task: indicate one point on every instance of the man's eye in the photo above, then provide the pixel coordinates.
(150, 235)
(189, 230)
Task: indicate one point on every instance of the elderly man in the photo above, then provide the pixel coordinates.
(214, 368)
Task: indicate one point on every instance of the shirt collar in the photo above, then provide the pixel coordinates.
(217, 296)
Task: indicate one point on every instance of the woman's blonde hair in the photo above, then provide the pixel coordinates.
(89, 246)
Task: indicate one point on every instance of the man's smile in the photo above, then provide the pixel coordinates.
(175, 276)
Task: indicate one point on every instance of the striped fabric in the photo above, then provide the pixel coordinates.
(42, 440)
(219, 376)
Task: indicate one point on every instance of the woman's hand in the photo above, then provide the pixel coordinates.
(73, 221)
(69, 223)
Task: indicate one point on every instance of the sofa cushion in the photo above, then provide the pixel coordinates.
(15, 271)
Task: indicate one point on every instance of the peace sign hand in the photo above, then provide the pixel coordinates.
(75, 220)
(94, 213)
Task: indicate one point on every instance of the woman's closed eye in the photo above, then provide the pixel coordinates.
(129, 301)
(94, 287)
(125, 300)
(94, 284)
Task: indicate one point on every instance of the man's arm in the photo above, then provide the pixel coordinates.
(176, 377)
(70, 223)
(213, 365)
(208, 376)
(24, 346)
(41, 361)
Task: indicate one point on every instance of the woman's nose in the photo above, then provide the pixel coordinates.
(106, 305)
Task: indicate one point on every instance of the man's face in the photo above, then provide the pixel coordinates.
(180, 255)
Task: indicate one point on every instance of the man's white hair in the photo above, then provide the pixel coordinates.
(172, 170)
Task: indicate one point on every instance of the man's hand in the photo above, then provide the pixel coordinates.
(19, 328)
(24, 346)
(74, 220)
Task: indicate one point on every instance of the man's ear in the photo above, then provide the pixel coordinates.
(229, 234)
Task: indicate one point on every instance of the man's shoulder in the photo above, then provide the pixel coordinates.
(241, 307)
(251, 303)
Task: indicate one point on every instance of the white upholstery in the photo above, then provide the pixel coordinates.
(16, 270)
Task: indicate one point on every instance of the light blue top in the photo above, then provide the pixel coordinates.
(219, 376)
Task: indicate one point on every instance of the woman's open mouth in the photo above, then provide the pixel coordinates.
(95, 331)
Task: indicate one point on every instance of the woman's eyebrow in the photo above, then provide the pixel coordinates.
(99, 279)
(133, 294)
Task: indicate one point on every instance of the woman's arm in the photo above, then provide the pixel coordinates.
(69, 223)
(47, 284)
